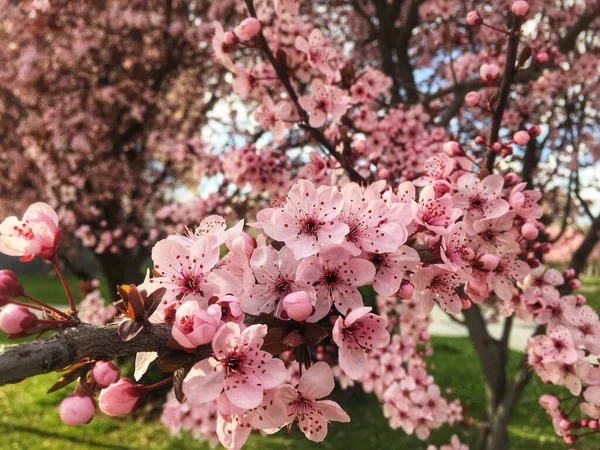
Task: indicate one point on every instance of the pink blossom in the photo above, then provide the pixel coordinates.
(318, 53)
(501, 279)
(480, 198)
(16, 319)
(489, 73)
(303, 406)
(324, 100)
(237, 366)
(441, 284)
(194, 326)
(105, 373)
(521, 137)
(338, 276)
(392, 268)
(36, 234)
(274, 116)
(121, 398)
(275, 274)
(435, 214)
(10, 286)
(472, 99)
(309, 219)
(77, 410)
(520, 8)
(298, 306)
(474, 18)
(185, 271)
(558, 345)
(359, 331)
(249, 28)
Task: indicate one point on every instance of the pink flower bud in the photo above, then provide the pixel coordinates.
(474, 19)
(16, 319)
(511, 179)
(569, 273)
(121, 398)
(10, 286)
(472, 99)
(383, 173)
(574, 283)
(534, 131)
(541, 58)
(229, 39)
(550, 402)
(581, 300)
(521, 137)
(77, 410)
(406, 291)
(479, 140)
(194, 326)
(466, 303)
(489, 73)
(360, 145)
(453, 148)
(374, 157)
(529, 231)
(298, 306)
(564, 424)
(570, 438)
(249, 28)
(520, 8)
(105, 373)
(594, 424)
(497, 146)
(488, 262)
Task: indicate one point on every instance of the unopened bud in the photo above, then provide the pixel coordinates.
(298, 306)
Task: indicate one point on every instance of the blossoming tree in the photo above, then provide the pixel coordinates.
(363, 168)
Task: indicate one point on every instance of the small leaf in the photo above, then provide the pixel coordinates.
(178, 378)
(524, 56)
(313, 333)
(171, 360)
(153, 300)
(135, 304)
(128, 329)
(273, 342)
(77, 370)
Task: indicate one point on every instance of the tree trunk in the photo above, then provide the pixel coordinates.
(579, 259)
(122, 268)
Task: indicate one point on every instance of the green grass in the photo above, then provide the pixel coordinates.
(30, 419)
(50, 290)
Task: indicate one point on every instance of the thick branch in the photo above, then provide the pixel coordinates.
(18, 362)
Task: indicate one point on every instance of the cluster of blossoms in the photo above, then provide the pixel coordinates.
(456, 240)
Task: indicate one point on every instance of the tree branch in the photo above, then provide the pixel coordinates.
(18, 362)
(507, 78)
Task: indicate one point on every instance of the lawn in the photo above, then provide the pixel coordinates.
(30, 419)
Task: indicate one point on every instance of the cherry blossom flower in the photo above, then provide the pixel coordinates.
(338, 276)
(324, 100)
(273, 116)
(185, 271)
(441, 284)
(392, 268)
(303, 406)
(360, 330)
(237, 366)
(318, 53)
(275, 274)
(308, 219)
(435, 214)
(36, 234)
(194, 326)
(480, 198)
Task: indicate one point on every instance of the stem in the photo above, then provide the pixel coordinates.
(64, 283)
(26, 305)
(45, 306)
(160, 383)
(507, 77)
